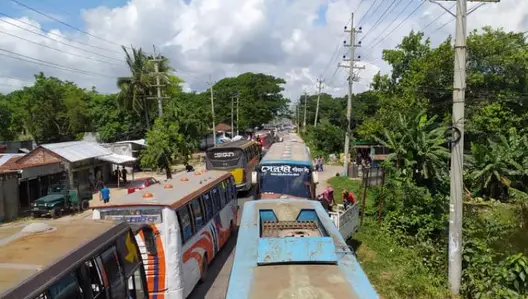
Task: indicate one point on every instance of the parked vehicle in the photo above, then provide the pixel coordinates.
(190, 219)
(290, 248)
(76, 258)
(286, 170)
(61, 198)
(140, 184)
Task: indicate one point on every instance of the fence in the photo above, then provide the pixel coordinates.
(374, 174)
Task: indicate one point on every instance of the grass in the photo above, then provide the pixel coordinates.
(394, 270)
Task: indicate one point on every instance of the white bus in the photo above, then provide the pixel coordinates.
(190, 218)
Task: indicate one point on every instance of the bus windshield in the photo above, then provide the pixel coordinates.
(285, 180)
(224, 157)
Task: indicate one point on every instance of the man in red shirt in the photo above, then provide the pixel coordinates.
(348, 198)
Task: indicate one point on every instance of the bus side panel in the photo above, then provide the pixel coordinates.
(173, 254)
(238, 175)
(208, 241)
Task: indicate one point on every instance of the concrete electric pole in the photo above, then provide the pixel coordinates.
(158, 85)
(211, 84)
(237, 100)
(319, 88)
(351, 67)
(457, 147)
(232, 116)
(304, 120)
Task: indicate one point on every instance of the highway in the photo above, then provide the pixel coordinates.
(215, 286)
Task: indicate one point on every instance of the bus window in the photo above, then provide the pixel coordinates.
(114, 274)
(208, 203)
(66, 287)
(216, 199)
(223, 193)
(136, 289)
(95, 279)
(197, 212)
(185, 223)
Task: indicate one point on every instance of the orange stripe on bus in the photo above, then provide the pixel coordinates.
(204, 244)
(162, 270)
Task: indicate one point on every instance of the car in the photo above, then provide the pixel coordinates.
(61, 198)
(140, 184)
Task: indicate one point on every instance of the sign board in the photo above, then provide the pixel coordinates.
(284, 170)
(347, 221)
(224, 154)
(133, 215)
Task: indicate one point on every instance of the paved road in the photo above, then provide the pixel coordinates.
(215, 286)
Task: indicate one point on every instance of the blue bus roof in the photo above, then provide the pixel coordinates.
(271, 265)
(291, 150)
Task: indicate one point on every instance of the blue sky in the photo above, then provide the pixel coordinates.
(68, 11)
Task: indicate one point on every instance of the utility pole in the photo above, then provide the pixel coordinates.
(237, 100)
(158, 84)
(351, 67)
(304, 121)
(319, 88)
(457, 148)
(232, 116)
(298, 118)
(211, 84)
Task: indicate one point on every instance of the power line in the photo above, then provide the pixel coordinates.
(60, 42)
(396, 18)
(396, 27)
(380, 18)
(55, 34)
(50, 64)
(368, 10)
(436, 19)
(335, 51)
(63, 23)
(58, 50)
(442, 26)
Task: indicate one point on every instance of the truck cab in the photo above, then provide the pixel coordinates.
(61, 198)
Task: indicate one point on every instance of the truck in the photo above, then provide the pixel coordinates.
(61, 198)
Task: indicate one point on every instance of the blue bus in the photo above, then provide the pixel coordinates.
(286, 170)
(290, 248)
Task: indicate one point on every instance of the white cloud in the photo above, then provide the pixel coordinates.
(220, 38)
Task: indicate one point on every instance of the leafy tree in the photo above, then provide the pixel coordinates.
(6, 118)
(325, 138)
(173, 138)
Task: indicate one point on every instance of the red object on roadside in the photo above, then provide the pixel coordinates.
(141, 184)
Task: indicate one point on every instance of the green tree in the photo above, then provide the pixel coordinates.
(173, 138)
(325, 138)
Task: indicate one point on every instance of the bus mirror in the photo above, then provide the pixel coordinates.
(315, 176)
(254, 177)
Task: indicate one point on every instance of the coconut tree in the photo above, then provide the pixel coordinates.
(137, 89)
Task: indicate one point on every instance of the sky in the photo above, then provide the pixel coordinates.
(207, 40)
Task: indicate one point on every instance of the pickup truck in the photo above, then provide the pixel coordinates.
(61, 198)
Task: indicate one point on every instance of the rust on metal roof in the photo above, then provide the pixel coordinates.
(186, 186)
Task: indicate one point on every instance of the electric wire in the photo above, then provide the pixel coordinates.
(60, 42)
(380, 18)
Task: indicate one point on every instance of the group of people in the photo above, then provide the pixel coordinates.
(327, 198)
(319, 162)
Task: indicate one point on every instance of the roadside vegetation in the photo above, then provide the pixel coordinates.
(412, 120)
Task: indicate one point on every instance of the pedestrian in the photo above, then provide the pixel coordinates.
(348, 199)
(321, 162)
(124, 175)
(105, 194)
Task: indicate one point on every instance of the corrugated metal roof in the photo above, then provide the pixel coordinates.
(6, 157)
(74, 151)
(117, 159)
(139, 141)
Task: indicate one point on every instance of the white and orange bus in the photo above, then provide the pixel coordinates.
(190, 218)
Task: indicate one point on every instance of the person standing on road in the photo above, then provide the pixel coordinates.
(105, 194)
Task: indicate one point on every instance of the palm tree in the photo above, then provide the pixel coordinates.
(136, 89)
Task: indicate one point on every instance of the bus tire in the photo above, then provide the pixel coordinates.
(204, 269)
